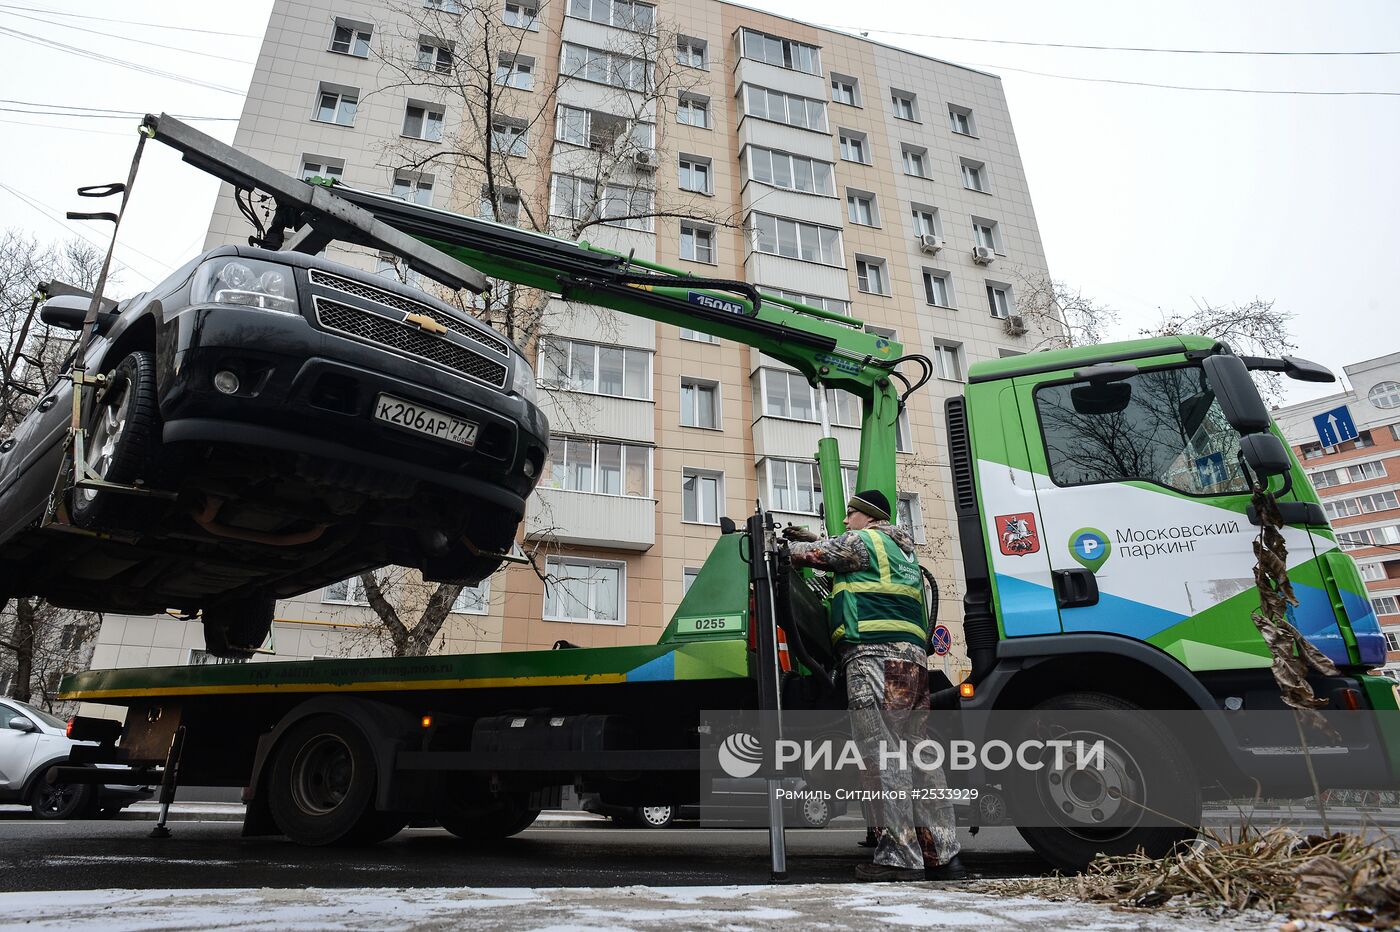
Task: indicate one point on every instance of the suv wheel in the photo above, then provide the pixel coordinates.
(62, 800)
(123, 437)
(654, 816)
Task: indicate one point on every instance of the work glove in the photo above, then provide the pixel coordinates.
(801, 533)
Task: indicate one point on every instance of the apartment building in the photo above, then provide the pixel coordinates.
(1358, 480)
(856, 177)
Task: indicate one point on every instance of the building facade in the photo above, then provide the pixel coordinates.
(1358, 479)
(712, 138)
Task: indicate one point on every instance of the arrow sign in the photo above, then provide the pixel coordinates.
(1335, 426)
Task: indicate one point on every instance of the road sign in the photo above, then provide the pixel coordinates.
(1211, 469)
(942, 640)
(1335, 426)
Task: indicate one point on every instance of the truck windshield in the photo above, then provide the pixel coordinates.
(1162, 426)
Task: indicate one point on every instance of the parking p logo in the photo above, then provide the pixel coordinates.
(1089, 547)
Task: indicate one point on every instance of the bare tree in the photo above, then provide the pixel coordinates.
(1256, 327)
(41, 643)
(1060, 315)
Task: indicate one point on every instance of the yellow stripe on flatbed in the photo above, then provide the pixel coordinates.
(97, 695)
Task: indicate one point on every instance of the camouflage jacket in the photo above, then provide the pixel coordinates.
(847, 552)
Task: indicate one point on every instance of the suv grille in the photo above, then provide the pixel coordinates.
(407, 339)
(400, 303)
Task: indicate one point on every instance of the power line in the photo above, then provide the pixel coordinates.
(110, 114)
(129, 22)
(71, 129)
(113, 35)
(41, 208)
(119, 62)
(1108, 48)
(1188, 87)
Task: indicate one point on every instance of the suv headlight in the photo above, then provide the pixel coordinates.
(522, 379)
(249, 282)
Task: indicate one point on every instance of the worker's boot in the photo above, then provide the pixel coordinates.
(872, 838)
(887, 873)
(954, 869)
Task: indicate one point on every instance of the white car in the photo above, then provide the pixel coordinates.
(32, 741)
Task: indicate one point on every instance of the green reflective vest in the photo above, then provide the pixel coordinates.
(881, 602)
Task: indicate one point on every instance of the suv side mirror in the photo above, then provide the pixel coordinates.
(1235, 390)
(67, 312)
(21, 723)
(1266, 455)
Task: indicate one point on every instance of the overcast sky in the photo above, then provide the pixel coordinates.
(1147, 198)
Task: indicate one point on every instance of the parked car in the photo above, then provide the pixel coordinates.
(731, 800)
(32, 741)
(308, 420)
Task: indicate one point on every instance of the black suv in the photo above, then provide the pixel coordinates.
(310, 421)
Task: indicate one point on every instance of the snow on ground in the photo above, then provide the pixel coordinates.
(808, 906)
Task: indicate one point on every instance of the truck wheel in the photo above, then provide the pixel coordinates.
(1143, 758)
(321, 789)
(237, 627)
(123, 438)
(62, 800)
(511, 818)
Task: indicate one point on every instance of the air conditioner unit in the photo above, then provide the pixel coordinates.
(983, 255)
(929, 243)
(645, 159)
(1015, 325)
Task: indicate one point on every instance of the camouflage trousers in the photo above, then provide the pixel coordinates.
(888, 697)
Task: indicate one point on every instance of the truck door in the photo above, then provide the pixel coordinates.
(1144, 514)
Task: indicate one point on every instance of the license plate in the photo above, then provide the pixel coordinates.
(415, 417)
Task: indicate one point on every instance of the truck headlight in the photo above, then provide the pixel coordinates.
(249, 282)
(522, 379)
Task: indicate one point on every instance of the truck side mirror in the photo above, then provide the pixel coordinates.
(20, 723)
(1265, 454)
(1305, 370)
(1234, 389)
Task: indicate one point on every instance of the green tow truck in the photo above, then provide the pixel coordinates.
(1103, 500)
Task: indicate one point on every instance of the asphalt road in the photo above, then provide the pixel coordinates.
(91, 855)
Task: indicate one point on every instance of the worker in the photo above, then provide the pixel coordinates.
(880, 630)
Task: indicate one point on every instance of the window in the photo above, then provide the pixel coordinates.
(796, 240)
(785, 53)
(860, 208)
(619, 205)
(521, 15)
(794, 486)
(516, 71)
(348, 591)
(435, 55)
(473, 600)
(599, 467)
(1371, 572)
(1356, 472)
(688, 576)
(947, 358)
(202, 658)
(1385, 605)
(812, 300)
(793, 172)
(1392, 643)
(854, 147)
(697, 243)
(960, 120)
(1163, 426)
(507, 208)
(699, 403)
(590, 591)
(842, 408)
(779, 107)
(906, 105)
(599, 130)
(999, 300)
(691, 51)
(413, 186)
(915, 160)
(1385, 536)
(314, 166)
(697, 337)
(926, 222)
(701, 495)
(623, 14)
(871, 276)
(386, 265)
(336, 104)
(423, 121)
(936, 289)
(575, 366)
(7, 679)
(1363, 440)
(589, 64)
(695, 174)
(974, 175)
(444, 6)
(1384, 395)
(909, 514)
(845, 90)
(508, 136)
(787, 394)
(984, 233)
(693, 110)
(1311, 451)
(70, 637)
(1361, 505)
(351, 38)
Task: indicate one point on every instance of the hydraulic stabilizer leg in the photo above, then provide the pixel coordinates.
(169, 782)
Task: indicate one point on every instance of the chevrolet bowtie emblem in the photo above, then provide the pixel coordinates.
(425, 322)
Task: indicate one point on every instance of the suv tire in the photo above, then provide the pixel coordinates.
(123, 440)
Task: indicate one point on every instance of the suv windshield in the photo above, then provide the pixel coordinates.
(1162, 426)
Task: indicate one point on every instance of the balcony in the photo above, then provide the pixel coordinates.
(619, 522)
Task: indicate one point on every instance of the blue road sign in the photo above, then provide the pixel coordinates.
(942, 639)
(1211, 469)
(1335, 426)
